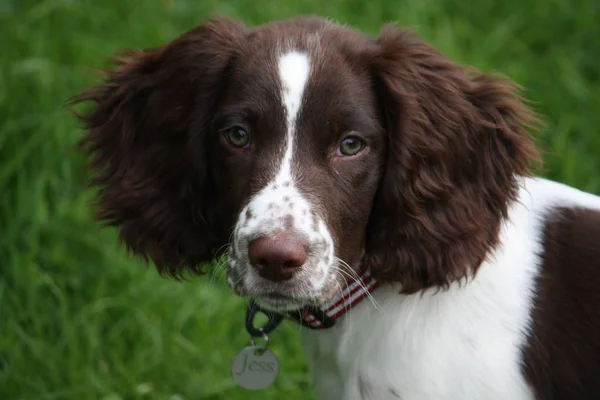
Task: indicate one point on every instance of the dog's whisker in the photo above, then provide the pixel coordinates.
(356, 278)
(342, 275)
(219, 266)
(362, 285)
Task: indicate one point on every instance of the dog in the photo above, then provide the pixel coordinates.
(334, 167)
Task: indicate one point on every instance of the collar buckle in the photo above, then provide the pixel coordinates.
(251, 311)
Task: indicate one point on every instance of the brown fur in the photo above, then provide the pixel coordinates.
(561, 359)
(457, 141)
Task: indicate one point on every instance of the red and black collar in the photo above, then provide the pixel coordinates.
(312, 317)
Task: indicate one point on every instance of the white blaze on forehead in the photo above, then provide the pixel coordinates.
(294, 68)
(280, 205)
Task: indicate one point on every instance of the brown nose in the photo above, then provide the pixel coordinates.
(277, 257)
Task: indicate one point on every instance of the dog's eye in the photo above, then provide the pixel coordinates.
(237, 137)
(351, 146)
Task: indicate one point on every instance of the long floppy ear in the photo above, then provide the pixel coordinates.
(146, 134)
(457, 145)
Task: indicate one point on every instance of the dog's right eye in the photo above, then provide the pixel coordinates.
(237, 137)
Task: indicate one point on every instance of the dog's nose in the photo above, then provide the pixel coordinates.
(277, 257)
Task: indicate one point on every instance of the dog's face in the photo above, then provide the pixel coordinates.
(307, 150)
(299, 150)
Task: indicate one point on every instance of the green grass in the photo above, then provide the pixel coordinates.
(78, 319)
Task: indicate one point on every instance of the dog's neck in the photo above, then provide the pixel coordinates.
(312, 317)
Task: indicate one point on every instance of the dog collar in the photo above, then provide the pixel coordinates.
(312, 317)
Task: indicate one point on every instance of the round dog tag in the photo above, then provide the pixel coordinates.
(255, 368)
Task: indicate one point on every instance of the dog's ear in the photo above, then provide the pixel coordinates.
(457, 146)
(146, 138)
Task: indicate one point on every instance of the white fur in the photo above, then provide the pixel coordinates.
(279, 200)
(460, 344)
(294, 69)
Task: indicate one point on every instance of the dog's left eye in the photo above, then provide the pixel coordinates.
(351, 146)
(237, 137)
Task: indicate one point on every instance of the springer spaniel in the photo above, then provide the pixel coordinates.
(313, 153)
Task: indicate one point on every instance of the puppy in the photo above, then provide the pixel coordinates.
(333, 167)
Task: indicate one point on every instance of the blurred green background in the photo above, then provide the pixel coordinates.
(78, 319)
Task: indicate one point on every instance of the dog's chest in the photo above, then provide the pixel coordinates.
(418, 352)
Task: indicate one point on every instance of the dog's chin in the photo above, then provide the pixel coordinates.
(280, 304)
(269, 301)
(280, 298)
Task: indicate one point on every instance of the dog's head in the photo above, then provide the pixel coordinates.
(307, 150)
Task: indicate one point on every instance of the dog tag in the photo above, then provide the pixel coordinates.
(255, 368)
